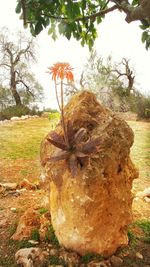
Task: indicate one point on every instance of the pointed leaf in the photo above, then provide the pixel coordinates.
(81, 155)
(73, 165)
(70, 133)
(91, 146)
(80, 135)
(57, 140)
(59, 155)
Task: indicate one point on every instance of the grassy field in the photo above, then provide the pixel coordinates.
(20, 142)
(19, 159)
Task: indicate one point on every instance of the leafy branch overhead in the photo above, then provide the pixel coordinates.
(78, 19)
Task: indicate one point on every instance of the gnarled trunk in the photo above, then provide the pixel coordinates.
(13, 88)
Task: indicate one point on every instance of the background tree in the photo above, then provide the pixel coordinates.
(79, 18)
(15, 56)
(113, 83)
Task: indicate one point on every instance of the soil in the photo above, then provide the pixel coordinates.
(13, 206)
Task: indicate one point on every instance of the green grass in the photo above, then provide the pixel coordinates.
(140, 151)
(132, 239)
(54, 260)
(90, 257)
(51, 237)
(141, 147)
(43, 210)
(145, 226)
(35, 234)
(22, 139)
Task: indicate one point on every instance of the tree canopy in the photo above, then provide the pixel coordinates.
(79, 18)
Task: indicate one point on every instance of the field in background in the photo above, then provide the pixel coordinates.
(20, 149)
(20, 158)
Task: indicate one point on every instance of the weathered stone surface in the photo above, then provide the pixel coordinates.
(27, 185)
(9, 186)
(116, 261)
(31, 257)
(144, 193)
(45, 221)
(90, 212)
(29, 221)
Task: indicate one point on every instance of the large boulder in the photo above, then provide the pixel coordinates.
(91, 212)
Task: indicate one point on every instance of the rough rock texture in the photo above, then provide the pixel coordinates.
(29, 221)
(90, 212)
(31, 257)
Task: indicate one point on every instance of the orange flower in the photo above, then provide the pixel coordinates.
(61, 71)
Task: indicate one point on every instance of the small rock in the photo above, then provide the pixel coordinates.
(144, 193)
(24, 117)
(139, 255)
(15, 119)
(147, 199)
(33, 242)
(97, 264)
(28, 221)
(9, 186)
(3, 223)
(54, 252)
(116, 261)
(31, 257)
(13, 209)
(27, 185)
(71, 258)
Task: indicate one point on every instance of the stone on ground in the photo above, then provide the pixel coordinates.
(90, 212)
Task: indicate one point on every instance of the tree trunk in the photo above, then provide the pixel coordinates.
(14, 90)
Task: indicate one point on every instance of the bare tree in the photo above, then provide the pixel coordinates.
(15, 56)
(125, 72)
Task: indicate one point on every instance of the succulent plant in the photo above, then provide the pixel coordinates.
(75, 149)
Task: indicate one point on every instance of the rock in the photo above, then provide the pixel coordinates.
(33, 242)
(13, 209)
(29, 221)
(27, 185)
(116, 261)
(147, 199)
(45, 221)
(144, 193)
(3, 223)
(54, 252)
(139, 255)
(90, 212)
(31, 257)
(24, 117)
(71, 258)
(9, 186)
(15, 119)
(97, 264)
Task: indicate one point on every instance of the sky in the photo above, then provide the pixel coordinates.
(115, 38)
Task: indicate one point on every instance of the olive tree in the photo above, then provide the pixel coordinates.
(79, 18)
(16, 76)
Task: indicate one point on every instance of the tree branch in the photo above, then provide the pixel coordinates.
(98, 14)
(5, 65)
(92, 16)
(140, 12)
(26, 86)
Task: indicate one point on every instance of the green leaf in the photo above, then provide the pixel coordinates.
(144, 36)
(38, 27)
(18, 7)
(135, 2)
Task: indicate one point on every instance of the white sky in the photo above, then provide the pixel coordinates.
(116, 37)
